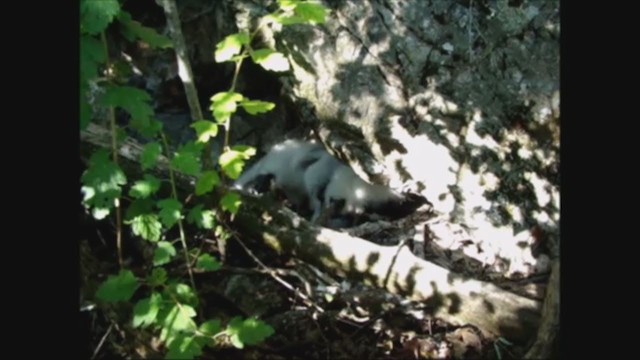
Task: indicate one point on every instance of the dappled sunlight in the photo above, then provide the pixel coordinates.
(474, 138)
(429, 163)
(540, 187)
(435, 151)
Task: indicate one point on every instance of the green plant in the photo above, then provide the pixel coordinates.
(171, 304)
(502, 343)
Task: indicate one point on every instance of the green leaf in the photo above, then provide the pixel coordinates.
(91, 54)
(95, 15)
(187, 159)
(150, 153)
(246, 150)
(136, 103)
(202, 218)
(287, 5)
(118, 288)
(163, 253)
(138, 207)
(183, 347)
(144, 188)
(125, 17)
(206, 182)
(221, 233)
(148, 127)
(187, 163)
(232, 161)
(248, 332)
(169, 211)
(147, 226)
(121, 69)
(314, 13)
(193, 147)
(146, 310)
(210, 328)
(121, 135)
(224, 104)
(270, 60)
(176, 318)
(146, 34)
(205, 129)
(232, 164)
(208, 263)
(183, 293)
(230, 46)
(102, 183)
(254, 107)
(157, 277)
(230, 202)
(289, 19)
(132, 100)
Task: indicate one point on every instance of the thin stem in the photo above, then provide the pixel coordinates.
(185, 72)
(114, 150)
(104, 337)
(183, 239)
(245, 54)
(227, 124)
(274, 273)
(237, 71)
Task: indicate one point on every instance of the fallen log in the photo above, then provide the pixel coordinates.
(453, 298)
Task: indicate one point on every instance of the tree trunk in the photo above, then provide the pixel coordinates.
(452, 297)
(546, 344)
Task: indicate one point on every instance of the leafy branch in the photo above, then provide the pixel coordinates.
(236, 48)
(183, 238)
(184, 70)
(170, 305)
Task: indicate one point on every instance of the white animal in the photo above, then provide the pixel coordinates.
(316, 182)
(282, 168)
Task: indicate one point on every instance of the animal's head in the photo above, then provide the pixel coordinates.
(414, 200)
(260, 185)
(398, 206)
(409, 202)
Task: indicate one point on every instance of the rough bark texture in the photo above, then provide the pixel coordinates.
(547, 341)
(453, 298)
(456, 99)
(460, 97)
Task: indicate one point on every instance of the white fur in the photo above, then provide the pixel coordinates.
(316, 179)
(284, 161)
(358, 194)
(302, 170)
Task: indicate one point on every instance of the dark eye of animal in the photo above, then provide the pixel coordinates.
(262, 184)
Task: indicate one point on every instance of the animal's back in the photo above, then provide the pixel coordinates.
(284, 164)
(317, 178)
(312, 179)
